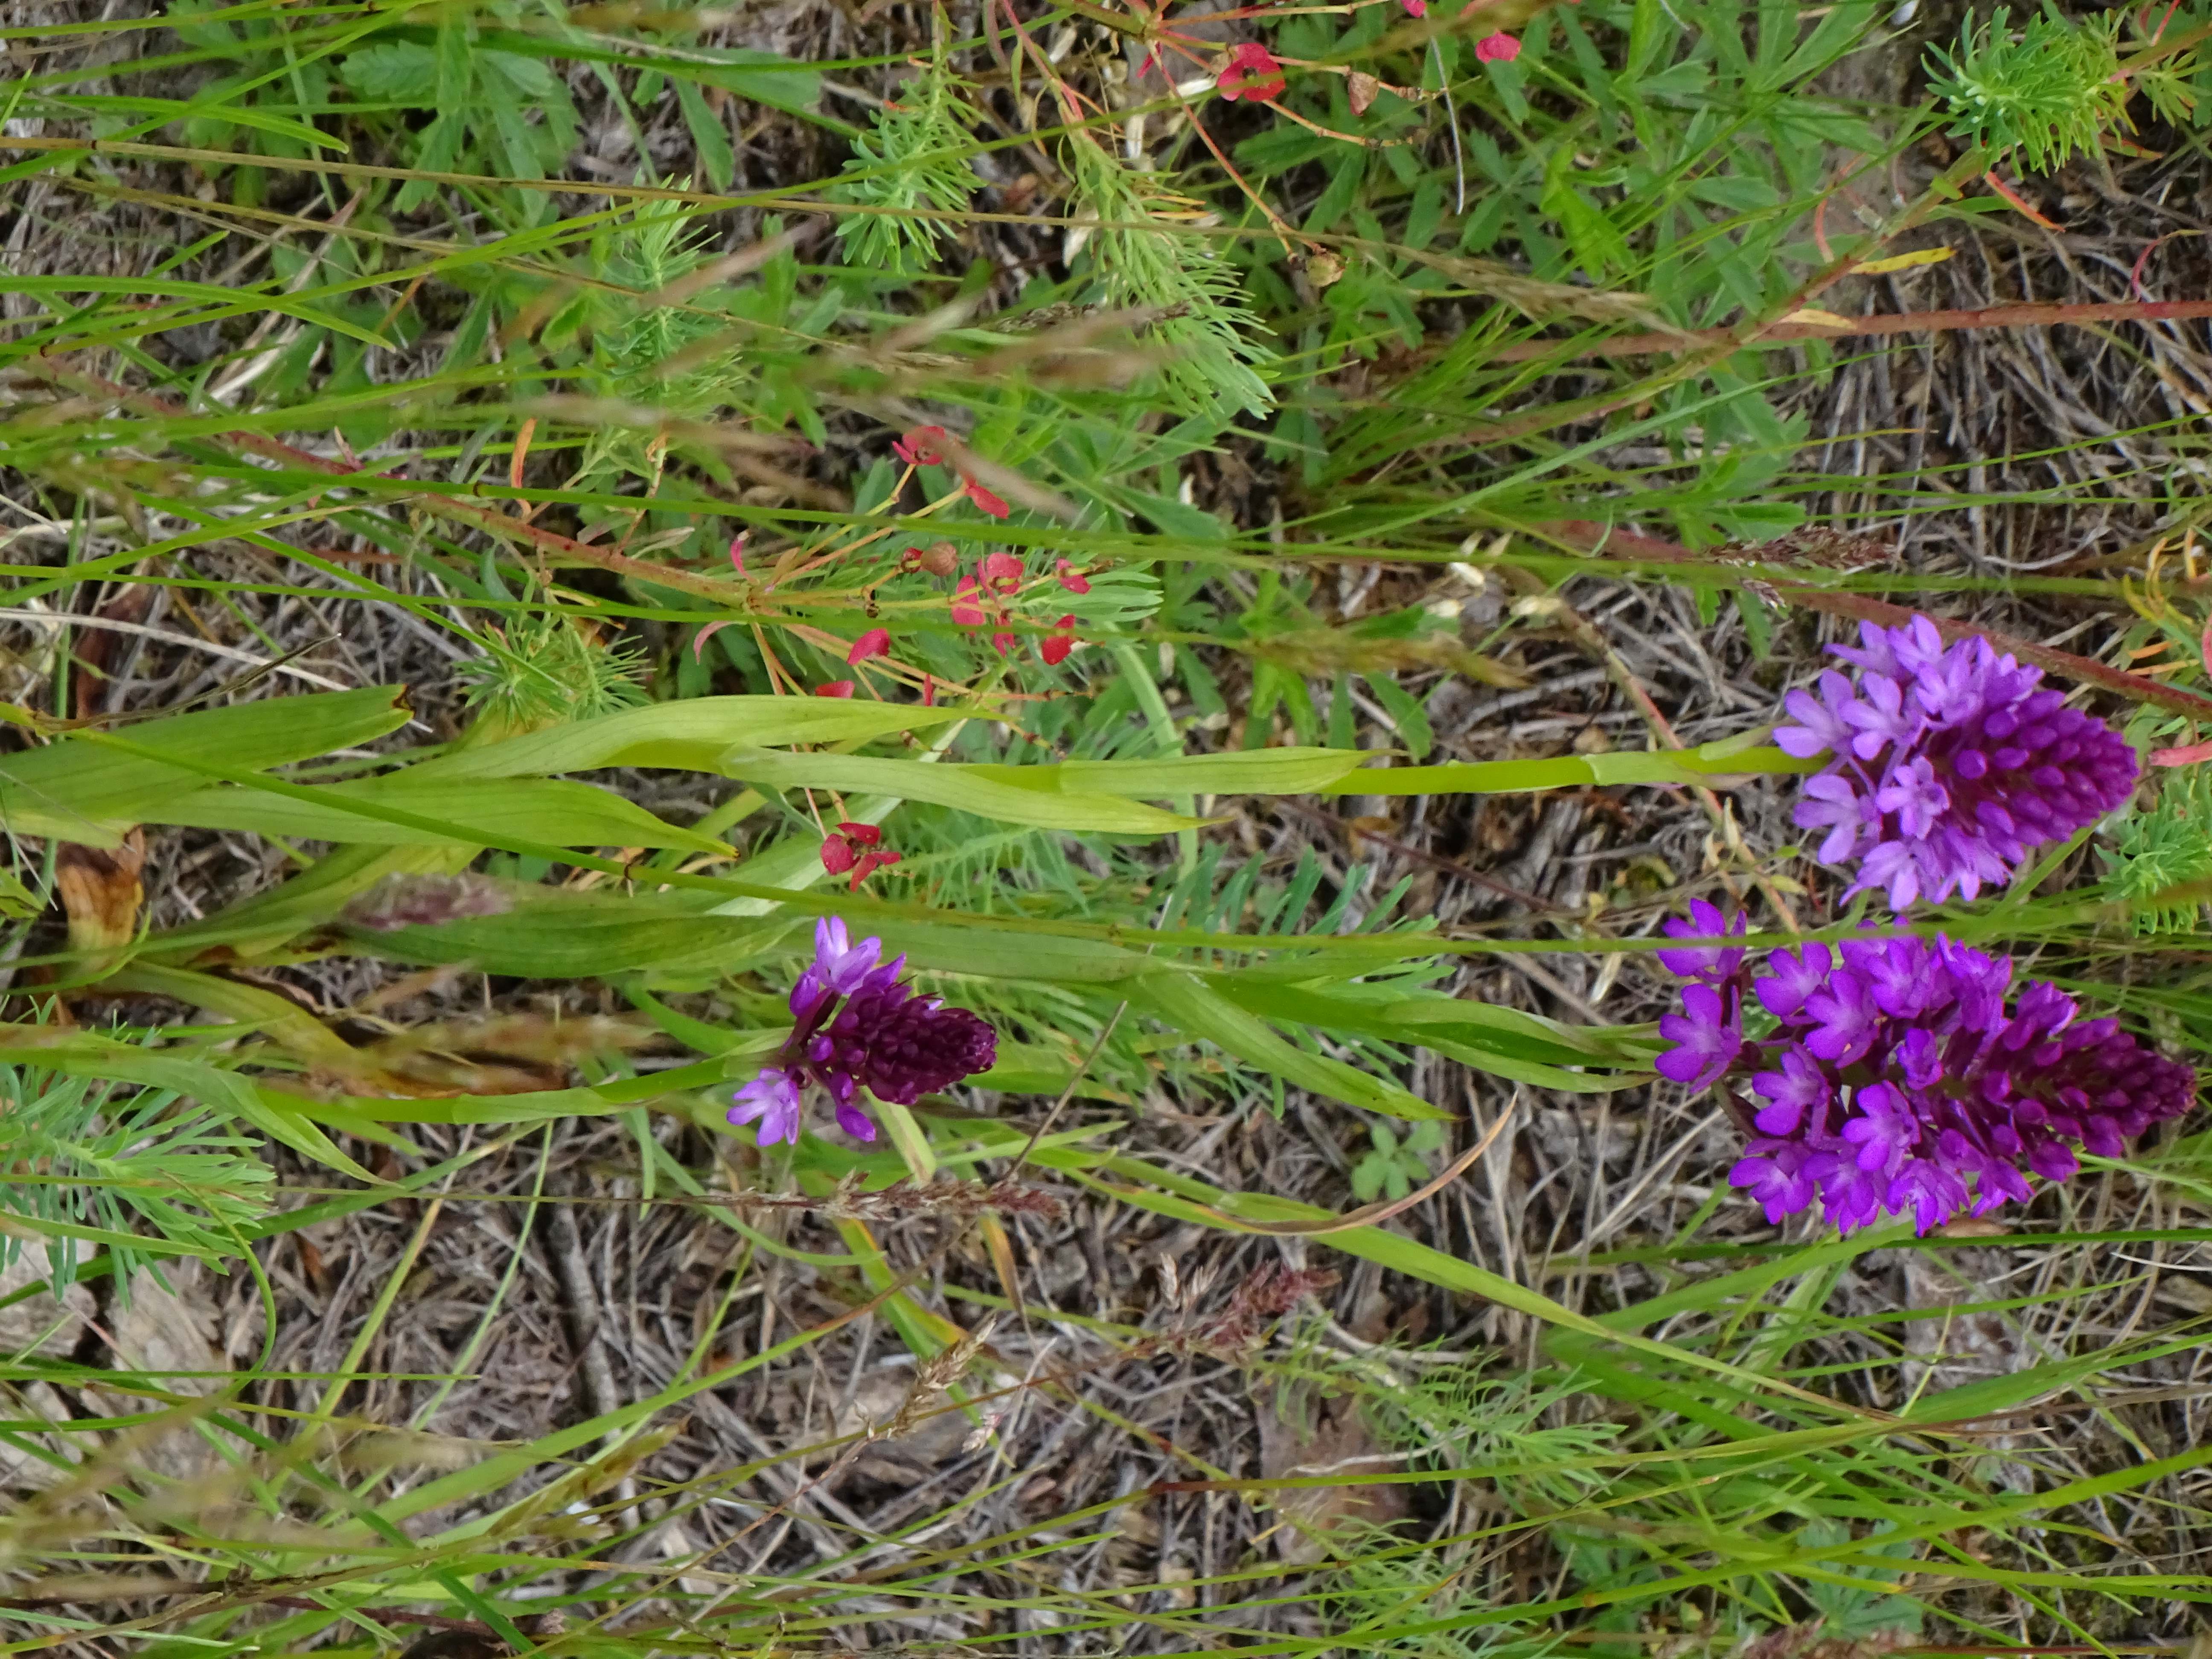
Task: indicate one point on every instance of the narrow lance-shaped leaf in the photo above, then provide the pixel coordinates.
(957, 786)
(80, 789)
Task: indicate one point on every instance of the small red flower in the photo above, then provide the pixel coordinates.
(1415, 8)
(838, 855)
(1002, 572)
(1070, 578)
(984, 499)
(870, 862)
(875, 642)
(835, 689)
(923, 446)
(1002, 643)
(1055, 646)
(1497, 49)
(1251, 73)
(966, 612)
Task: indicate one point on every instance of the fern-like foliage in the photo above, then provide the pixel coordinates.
(915, 164)
(1147, 253)
(2160, 848)
(1384, 1594)
(637, 348)
(546, 668)
(2173, 83)
(2047, 92)
(82, 1153)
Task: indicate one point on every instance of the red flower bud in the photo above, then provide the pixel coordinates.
(1055, 646)
(837, 854)
(1070, 578)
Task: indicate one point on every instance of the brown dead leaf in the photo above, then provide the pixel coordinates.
(101, 893)
(1363, 91)
(1303, 1435)
(506, 1054)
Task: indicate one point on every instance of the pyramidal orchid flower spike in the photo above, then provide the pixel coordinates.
(1950, 765)
(855, 1027)
(1896, 1081)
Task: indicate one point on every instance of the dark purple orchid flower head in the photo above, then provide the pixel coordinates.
(1898, 1081)
(854, 1026)
(1949, 764)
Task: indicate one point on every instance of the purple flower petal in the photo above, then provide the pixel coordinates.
(1715, 964)
(1775, 1175)
(772, 1098)
(1791, 976)
(1707, 1034)
(1799, 1093)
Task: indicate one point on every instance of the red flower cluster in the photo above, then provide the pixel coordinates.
(855, 847)
(983, 598)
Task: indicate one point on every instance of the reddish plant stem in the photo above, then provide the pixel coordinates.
(1864, 607)
(1908, 322)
